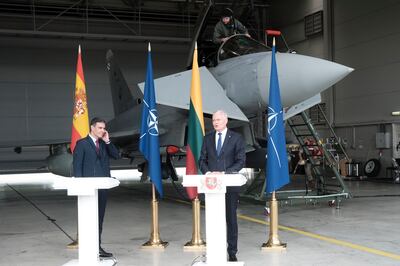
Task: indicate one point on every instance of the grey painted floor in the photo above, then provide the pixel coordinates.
(364, 231)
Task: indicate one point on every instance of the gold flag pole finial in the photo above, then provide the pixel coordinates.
(154, 241)
(273, 242)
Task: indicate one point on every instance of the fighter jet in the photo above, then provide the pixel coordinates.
(238, 84)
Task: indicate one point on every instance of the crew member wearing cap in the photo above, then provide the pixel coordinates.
(228, 26)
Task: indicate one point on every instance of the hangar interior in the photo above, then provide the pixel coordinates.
(38, 51)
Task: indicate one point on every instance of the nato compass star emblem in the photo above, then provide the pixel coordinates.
(272, 119)
(152, 122)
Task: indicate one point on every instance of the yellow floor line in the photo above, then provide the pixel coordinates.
(326, 239)
(316, 236)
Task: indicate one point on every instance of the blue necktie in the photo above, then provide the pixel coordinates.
(219, 143)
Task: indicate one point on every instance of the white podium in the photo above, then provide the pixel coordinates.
(214, 187)
(88, 219)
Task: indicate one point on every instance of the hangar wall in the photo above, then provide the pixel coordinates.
(367, 38)
(288, 16)
(37, 81)
(364, 35)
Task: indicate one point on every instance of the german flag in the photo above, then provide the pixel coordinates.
(80, 119)
(195, 126)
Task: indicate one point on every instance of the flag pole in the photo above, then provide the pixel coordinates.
(80, 120)
(196, 243)
(75, 244)
(194, 143)
(154, 241)
(273, 242)
(277, 174)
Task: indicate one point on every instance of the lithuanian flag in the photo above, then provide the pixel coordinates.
(195, 126)
(80, 119)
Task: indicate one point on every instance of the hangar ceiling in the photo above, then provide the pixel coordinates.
(125, 20)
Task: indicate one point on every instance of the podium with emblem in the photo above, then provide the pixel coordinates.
(214, 188)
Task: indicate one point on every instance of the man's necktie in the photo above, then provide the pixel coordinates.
(219, 143)
(97, 146)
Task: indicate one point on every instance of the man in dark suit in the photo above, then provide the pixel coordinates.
(223, 151)
(91, 159)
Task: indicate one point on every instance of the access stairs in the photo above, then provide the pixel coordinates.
(327, 183)
(322, 159)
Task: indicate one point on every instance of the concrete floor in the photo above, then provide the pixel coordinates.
(364, 231)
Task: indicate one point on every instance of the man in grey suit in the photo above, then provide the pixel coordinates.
(91, 159)
(223, 151)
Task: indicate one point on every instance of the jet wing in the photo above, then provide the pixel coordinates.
(35, 142)
(174, 90)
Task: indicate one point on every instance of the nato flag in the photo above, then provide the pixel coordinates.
(149, 144)
(277, 173)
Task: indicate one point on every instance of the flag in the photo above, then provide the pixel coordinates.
(80, 118)
(277, 173)
(195, 126)
(148, 143)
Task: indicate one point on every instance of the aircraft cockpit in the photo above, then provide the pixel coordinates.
(238, 45)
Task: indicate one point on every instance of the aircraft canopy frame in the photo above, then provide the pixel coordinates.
(238, 45)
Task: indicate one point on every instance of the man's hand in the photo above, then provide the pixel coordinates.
(106, 137)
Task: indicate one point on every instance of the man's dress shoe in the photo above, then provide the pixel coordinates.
(104, 254)
(232, 258)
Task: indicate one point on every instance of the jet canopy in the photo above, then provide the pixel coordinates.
(238, 45)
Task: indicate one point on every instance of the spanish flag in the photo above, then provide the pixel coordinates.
(195, 126)
(80, 119)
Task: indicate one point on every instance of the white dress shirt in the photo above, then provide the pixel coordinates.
(93, 138)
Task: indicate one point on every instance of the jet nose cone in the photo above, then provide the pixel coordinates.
(301, 77)
(304, 76)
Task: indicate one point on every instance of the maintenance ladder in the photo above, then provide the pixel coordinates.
(303, 128)
(333, 188)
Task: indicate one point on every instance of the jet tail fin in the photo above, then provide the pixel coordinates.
(123, 98)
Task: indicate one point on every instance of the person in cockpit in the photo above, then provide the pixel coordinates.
(228, 26)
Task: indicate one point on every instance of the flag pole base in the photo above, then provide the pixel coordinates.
(155, 244)
(273, 246)
(273, 243)
(196, 243)
(73, 245)
(75, 242)
(195, 246)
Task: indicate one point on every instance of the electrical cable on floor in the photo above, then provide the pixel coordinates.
(200, 258)
(42, 212)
